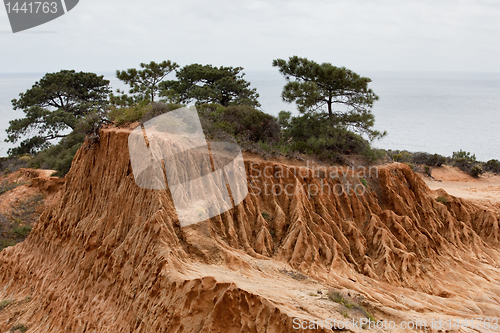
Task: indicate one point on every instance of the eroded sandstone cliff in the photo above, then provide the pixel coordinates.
(112, 257)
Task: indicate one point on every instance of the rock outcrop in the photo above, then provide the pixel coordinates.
(109, 256)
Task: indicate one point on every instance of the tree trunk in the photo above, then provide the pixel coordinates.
(330, 111)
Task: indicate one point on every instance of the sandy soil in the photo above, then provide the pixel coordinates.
(484, 189)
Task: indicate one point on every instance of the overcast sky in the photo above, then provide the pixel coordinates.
(412, 35)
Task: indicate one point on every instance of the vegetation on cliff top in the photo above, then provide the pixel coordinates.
(73, 106)
(334, 103)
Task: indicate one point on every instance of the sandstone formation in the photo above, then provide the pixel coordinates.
(109, 256)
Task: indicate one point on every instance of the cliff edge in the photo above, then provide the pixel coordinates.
(109, 256)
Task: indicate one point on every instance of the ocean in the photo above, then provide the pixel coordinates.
(435, 112)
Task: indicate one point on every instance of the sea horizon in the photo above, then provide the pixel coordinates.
(432, 111)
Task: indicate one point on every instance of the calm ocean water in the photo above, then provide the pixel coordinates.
(433, 112)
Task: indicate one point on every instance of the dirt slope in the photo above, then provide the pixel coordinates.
(24, 195)
(109, 256)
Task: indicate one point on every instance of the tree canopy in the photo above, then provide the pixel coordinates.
(209, 84)
(320, 87)
(144, 83)
(54, 105)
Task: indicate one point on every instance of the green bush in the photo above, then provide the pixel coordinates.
(349, 303)
(6, 186)
(21, 231)
(140, 112)
(129, 114)
(373, 154)
(411, 165)
(13, 163)
(442, 199)
(5, 243)
(403, 157)
(59, 157)
(159, 108)
(476, 170)
(428, 171)
(428, 159)
(317, 134)
(463, 155)
(492, 166)
(241, 123)
(19, 327)
(5, 303)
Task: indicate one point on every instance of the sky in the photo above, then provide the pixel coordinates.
(386, 35)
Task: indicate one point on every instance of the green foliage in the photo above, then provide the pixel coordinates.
(5, 243)
(140, 112)
(5, 303)
(316, 133)
(373, 154)
(144, 83)
(21, 231)
(492, 166)
(207, 84)
(53, 106)
(467, 162)
(349, 303)
(294, 274)
(7, 186)
(316, 86)
(266, 215)
(411, 165)
(428, 171)
(476, 170)
(418, 158)
(60, 156)
(128, 114)
(19, 327)
(25, 212)
(402, 157)
(241, 123)
(364, 182)
(442, 199)
(428, 159)
(464, 155)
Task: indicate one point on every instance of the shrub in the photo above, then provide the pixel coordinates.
(129, 114)
(266, 215)
(349, 303)
(21, 232)
(464, 161)
(7, 186)
(241, 123)
(428, 159)
(442, 199)
(5, 303)
(13, 163)
(19, 327)
(5, 243)
(411, 165)
(364, 182)
(428, 171)
(463, 155)
(159, 108)
(492, 166)
(476, 170)
(372, 154)
(317, 134)
(59, 157)
(402, 157)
